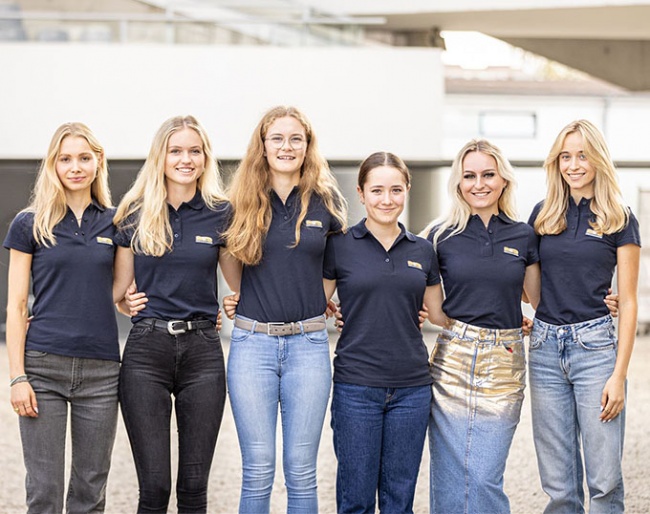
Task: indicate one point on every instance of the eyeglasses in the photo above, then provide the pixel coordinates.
(295, 142)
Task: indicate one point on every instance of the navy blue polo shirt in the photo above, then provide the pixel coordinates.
(182, 284)
(287, 285)
(483, 271)
(578, 266)
(381, 293)
(72, 282)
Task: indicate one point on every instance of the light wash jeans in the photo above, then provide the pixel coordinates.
(294, 373)
(88, 387)
(568, 367)
(379, 435)
(478, 390)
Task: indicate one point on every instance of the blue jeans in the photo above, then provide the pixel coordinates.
(568, 368)
(89, 388)
(478, 390)
(379, 435)
(189, 366)
(293, 372)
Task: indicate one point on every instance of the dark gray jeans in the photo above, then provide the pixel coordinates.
(185, 372)
(88, 387)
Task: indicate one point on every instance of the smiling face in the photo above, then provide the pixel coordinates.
(481, 185)
(576, 170)
(285, 146)
(185, 159)
(384, 194)
(76, 164)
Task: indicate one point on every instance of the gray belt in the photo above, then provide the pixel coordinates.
(282, 329)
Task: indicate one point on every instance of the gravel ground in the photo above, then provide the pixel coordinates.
(521, 482)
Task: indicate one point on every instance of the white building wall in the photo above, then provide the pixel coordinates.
(359, 99)
(623, 121)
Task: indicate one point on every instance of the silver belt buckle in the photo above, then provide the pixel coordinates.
(174, 331)
(269, 327)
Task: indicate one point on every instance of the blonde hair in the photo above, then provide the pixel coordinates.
(251, 184)
(459, 213)
(144, 206)
(48, 201)
(611, 214)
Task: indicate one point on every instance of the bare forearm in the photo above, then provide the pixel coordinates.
(626, 335)
(16, 334)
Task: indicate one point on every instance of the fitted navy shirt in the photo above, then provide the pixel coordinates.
(182, 284)
(578, 266)
(72, 282)
(287, 285)
(483, 271)
(381, 293)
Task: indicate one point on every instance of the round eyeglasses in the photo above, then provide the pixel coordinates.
(295, 142)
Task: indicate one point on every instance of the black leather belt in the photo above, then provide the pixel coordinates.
(175, 326)
(283, 329)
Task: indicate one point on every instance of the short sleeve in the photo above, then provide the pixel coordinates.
(433, 276)
(532, 253)
(20, 236)
(630, 234)
(226, 212)
(329, 261)
(124, 234)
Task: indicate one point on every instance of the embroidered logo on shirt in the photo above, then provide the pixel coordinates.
(206, 240)
(314, 223)
(104, 240)
(511, 251)
(591, 232)
(413, 264)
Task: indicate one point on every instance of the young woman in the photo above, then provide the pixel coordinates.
(382, 385)
(66, 359)
(285, 202)
(477, 363)
(171, 225)
(578, 365)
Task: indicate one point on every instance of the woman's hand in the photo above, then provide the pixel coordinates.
(423, 315)
(611, 300)
(331, 309)
(134, 300)
(23, 400)
(613, 398)
(229, 304)
(527, 326)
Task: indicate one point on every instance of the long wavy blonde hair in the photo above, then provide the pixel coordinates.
(144, 206)
(459, 212)
(48, 201)
(611, 214)
(251, 184)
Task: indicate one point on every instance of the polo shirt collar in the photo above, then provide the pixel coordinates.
(196, 202)
(583, 201)
(275, 196)
(501, 216)
(97, 205)
(360, 231)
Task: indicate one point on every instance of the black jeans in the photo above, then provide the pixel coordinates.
(189, 366)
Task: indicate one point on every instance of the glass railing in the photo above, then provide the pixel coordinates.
(192, 22)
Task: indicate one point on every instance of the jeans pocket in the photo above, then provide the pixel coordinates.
(534, 342)
(239, 335)
(602, 338)
(535, 339)
(138, 331)
(318, 336)
(35, 354)
(209, 335)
